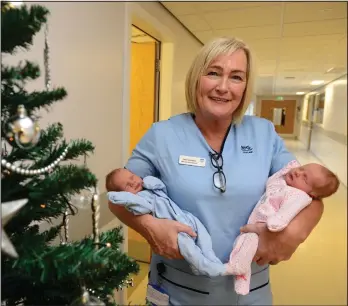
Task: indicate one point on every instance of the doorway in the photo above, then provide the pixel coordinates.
(310, 118)
(281, 113)
(144, 110)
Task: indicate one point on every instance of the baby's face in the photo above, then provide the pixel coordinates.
(306, 177)
(127, 181)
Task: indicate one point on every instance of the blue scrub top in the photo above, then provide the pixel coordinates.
(253, 151)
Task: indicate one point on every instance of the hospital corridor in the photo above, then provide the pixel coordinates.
(317, 272)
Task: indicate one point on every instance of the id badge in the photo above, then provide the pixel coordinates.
(192, 161)
(157, 295)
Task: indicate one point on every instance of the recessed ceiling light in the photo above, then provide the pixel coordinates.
(300, 93)
(326, 10)
(317, 82)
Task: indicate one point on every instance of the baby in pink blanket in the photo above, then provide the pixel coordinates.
(287, 192)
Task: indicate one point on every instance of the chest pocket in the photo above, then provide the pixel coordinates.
(247, 173)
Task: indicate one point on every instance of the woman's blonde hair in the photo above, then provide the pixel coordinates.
(206, 55)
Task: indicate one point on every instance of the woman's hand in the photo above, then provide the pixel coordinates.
(276, 247)
(162, 235)
(273, 246)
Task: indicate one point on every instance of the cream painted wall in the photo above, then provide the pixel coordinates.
(332, 153)
(304, 126)
(305, 107)
(304, 133)
(335, 109)
(329, 139)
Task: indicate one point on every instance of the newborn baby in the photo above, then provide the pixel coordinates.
(287, 192)
(127, 189)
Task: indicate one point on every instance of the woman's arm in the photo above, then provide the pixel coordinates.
(139, 223)
(303, 224)
(161, 234)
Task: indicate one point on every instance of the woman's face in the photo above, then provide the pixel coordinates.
(222, 86)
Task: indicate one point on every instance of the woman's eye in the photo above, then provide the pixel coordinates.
(212, 73)
(237, 77)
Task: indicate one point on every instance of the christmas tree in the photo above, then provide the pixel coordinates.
(37, 185)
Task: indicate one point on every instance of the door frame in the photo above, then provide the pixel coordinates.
(157, 64)
(157, 79)
(156, 114)
(310, 110)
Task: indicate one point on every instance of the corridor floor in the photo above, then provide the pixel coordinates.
(317, 272)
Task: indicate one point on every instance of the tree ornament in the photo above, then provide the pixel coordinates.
(31, 172)
(46, 60)
(65, 225)
(22, 129)
(87, 300)
(83, 199)
(95, 206)
(8, 210)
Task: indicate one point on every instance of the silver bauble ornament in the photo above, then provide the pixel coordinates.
(83, 199)
(22, 129)
(87, 300)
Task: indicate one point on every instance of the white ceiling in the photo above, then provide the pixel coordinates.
(289, 39)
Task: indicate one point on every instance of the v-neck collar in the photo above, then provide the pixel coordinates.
(202, 138)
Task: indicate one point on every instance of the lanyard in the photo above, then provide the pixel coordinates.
(223, 142)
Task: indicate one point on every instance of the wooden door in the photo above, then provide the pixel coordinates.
(142, 90)
(288, 107)
(142, 115)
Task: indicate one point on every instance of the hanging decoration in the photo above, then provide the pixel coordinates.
(65, 229)
(95, 216)
(29, 172)
(87, 300)
(46, 60)
(22, 130)
(8, 210)
(84, 198)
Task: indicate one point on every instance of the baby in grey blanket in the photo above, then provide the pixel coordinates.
(149, 196)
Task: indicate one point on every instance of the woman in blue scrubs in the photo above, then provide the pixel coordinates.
(215, 162)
